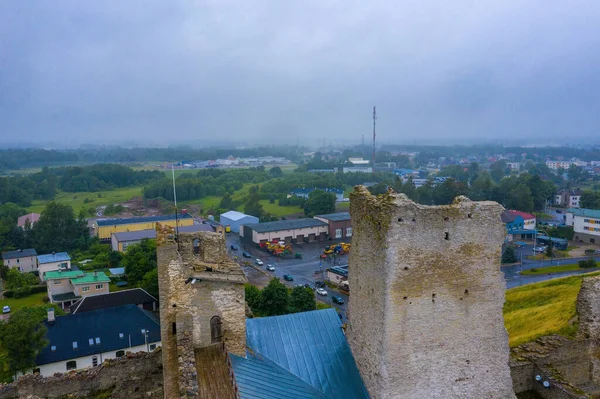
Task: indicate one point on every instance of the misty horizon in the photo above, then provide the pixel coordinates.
(308, 73)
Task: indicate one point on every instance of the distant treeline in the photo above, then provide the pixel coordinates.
(43, 185)
(14, 159)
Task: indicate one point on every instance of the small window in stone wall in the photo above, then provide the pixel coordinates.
(196, 246)
(216, 334)
(120, 353)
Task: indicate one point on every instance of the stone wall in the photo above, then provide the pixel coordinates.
(197, 283)
(427, 296)
(134, 376)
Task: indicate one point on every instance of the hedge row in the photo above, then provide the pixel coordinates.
(25, 291)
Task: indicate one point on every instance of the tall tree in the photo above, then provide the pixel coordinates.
(509, 255)
(319, 202)
(139, 260)
(276, 172)
(302, 299)
(58, 230)
(274, 298)
(23, 337)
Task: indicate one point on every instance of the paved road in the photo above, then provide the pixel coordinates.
(307, 270)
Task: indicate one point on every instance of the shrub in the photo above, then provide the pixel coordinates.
(36, 289)
(22, 292)
(589, 251)
(587, 264)
(9, 294)
(533, 270)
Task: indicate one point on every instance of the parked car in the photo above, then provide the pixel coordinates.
(234, 247)
(270, 268)
(539, 249)
(288, 277)
(246, 254)
(321, 291)
(6, 309)
(320, 284)
(307, 286)
(337, 299)
(558, 211)
(259, 262)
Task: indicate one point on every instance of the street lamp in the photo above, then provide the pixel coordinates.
(549, 244)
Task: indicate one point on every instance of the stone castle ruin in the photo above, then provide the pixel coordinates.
(425, 312)
(202, 314)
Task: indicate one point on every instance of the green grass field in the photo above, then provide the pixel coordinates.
(98, 198)
(280, 211)
(18, 303)
(553, 269)
(541, 309)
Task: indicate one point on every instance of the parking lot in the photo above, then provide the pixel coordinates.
(307, 270)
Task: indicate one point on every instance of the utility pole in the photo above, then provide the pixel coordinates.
(373, 155)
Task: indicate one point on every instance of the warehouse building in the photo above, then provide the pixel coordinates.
(235, 219)
(120, 241)
(340, 225)
(290, 231)
(103, 228)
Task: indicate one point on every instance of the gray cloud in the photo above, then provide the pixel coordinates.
(248, 70)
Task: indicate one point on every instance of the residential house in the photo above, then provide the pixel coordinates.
(354, 169)
(529, 220)
(135, 296)
(52, 262)
(515, 225)
(290, 231)
(68, 286)
(27, 221)
(339, 225)
(24, 260)
(338, 275)
(586, 224)
(87, 339)
(105, 227)
(568, 198)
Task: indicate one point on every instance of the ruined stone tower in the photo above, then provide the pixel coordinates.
(202, 307)
(425, 312)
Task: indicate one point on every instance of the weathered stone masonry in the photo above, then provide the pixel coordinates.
(427, 295)
(201, 304)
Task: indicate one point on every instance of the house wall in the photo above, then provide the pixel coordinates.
(48, 267)
(529, 224)
(25, 264)
(425, 314)
(64, 285)
(104, 232)
(294, 233)
(77, 289)
(587, 227)
(48, 370)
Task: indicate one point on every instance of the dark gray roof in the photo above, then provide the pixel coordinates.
(19, 253)
(507, 217)
(336, 217)
(135, 235)
(114, 222)
(105, 324)
(134, 296)
(285, 225)
(312, 346)
(68, 296)
(195, 228)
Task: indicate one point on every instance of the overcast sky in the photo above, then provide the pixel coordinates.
(254, 70)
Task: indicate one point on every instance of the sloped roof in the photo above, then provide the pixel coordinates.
(105, 324)
(285, 225)
(507, 217)
(591, 213)
(59, 274)
(19, 253)
(50, 258)
(195, 228)
(145, 219)
(88, 278)
(260, 378)
(134, 296)
(32, 217)
(312, 346)
(336, 217)
(524, 215)
(135, 235)
(235, 215)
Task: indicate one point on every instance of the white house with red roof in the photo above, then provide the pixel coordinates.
(528, 219)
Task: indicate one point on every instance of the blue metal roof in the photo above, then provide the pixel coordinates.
(57, 257)
(105, 324)
(312, 346)
(261, 378)
(115, 222)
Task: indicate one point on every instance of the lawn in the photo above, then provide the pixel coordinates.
(543, 216)
(278, 210)
(98, 198)
(18, 303)
(554, 269)
(541, 309)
